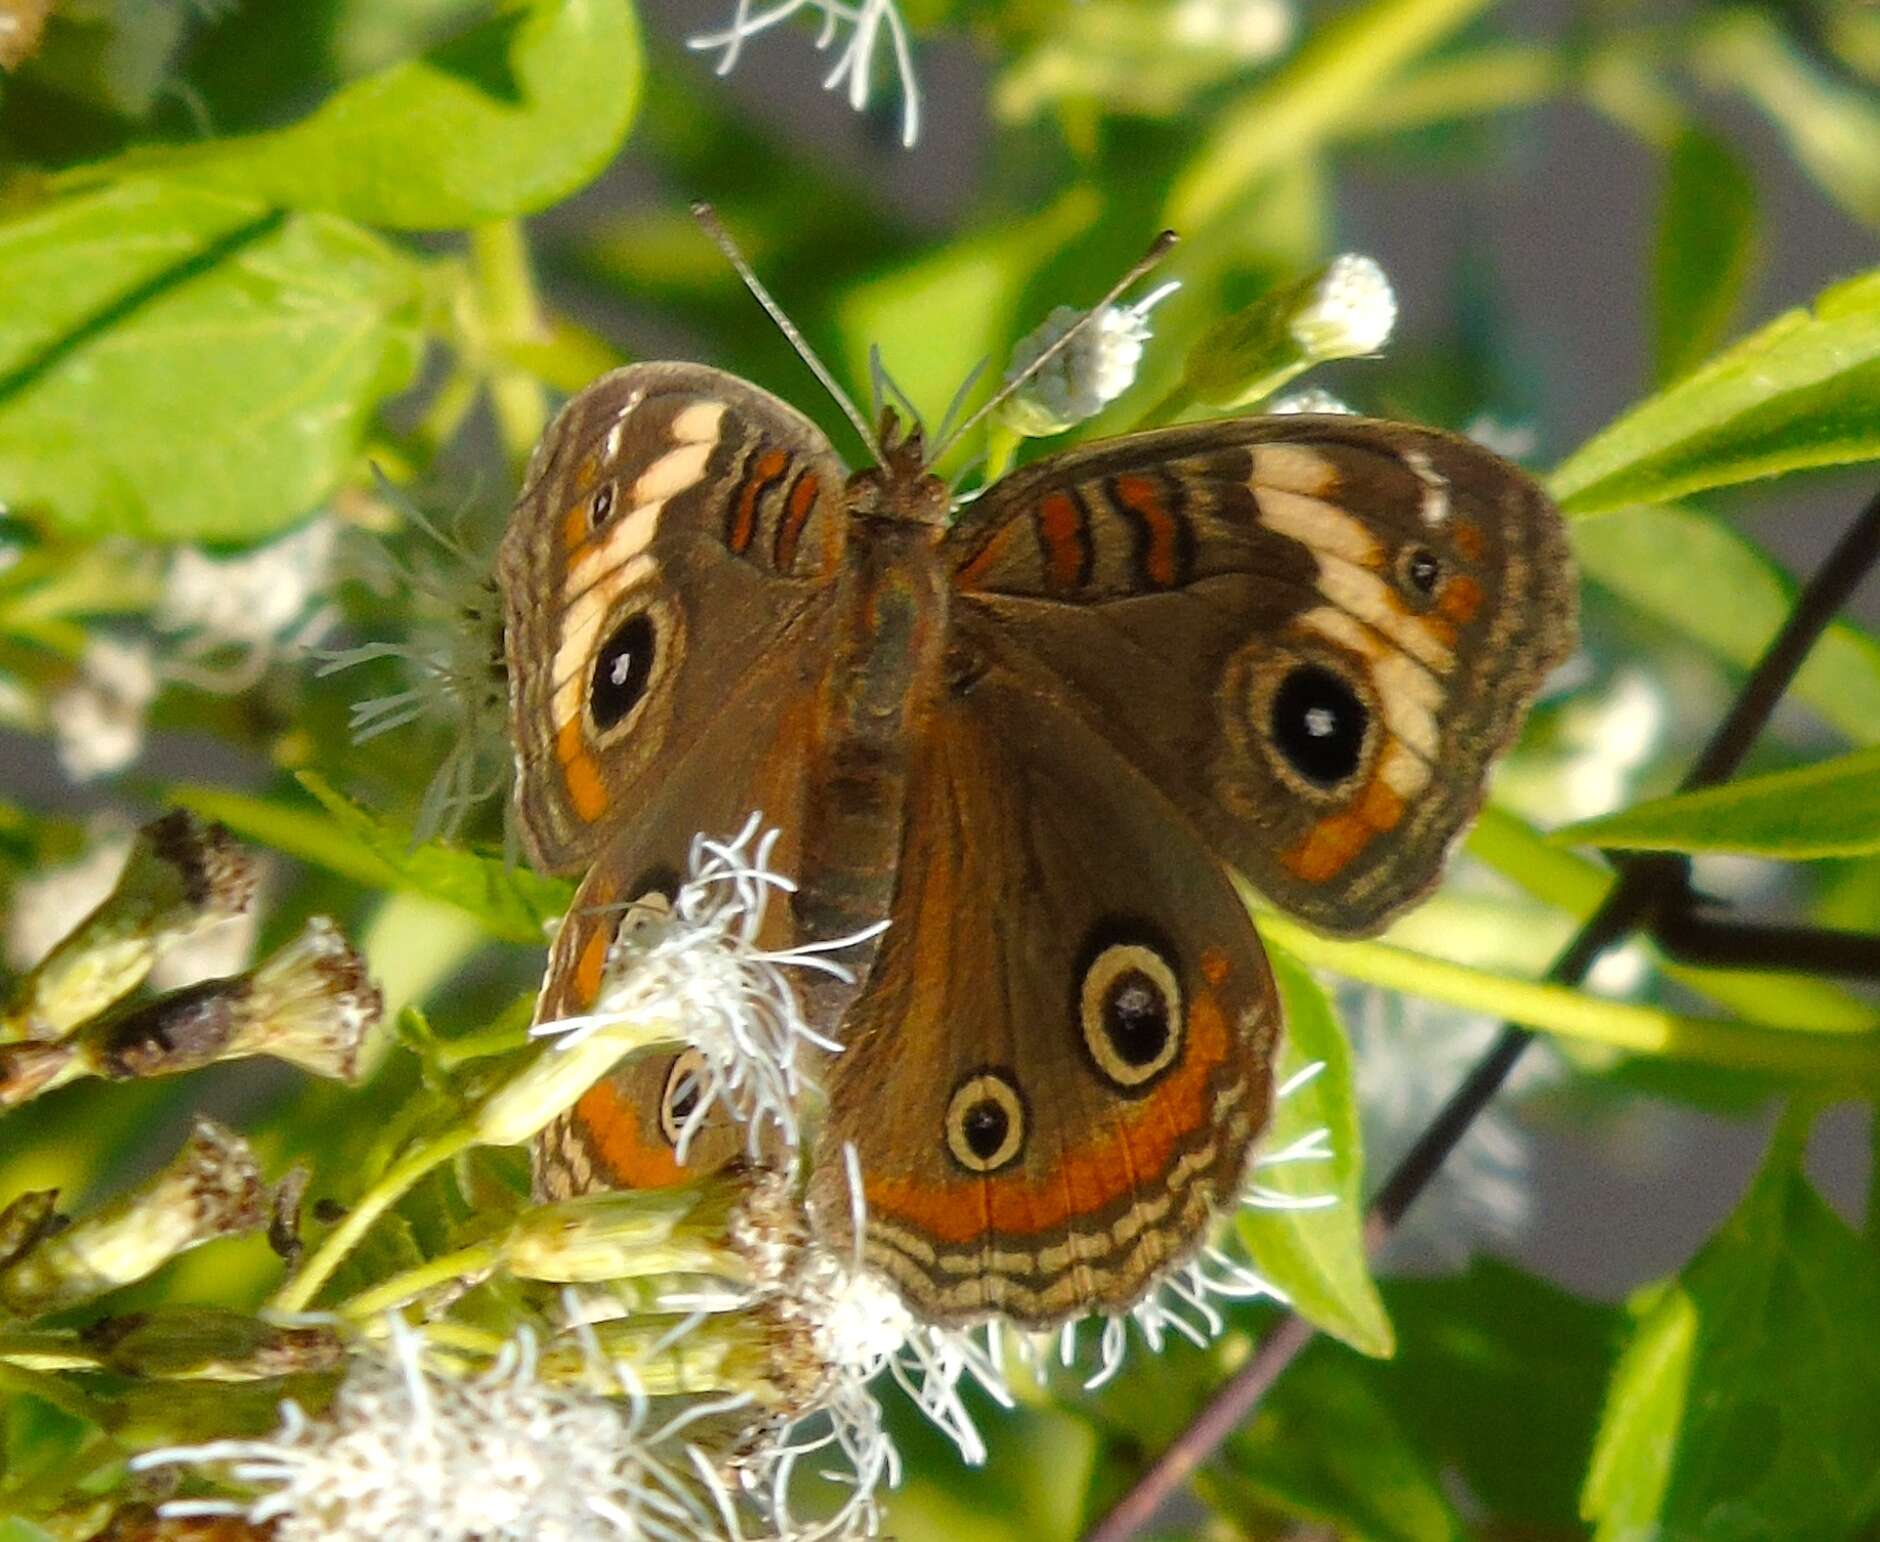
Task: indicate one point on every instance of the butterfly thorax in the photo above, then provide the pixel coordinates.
(901, 488)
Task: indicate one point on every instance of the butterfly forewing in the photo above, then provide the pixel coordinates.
(1311, 633)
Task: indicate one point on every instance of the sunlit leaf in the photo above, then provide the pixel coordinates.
(1316, 1255)
(504, 120)
(1673, 563)
(1706, 246)
(1802, 391)
(182, 365)
(1831, 809)
(1747, 1403)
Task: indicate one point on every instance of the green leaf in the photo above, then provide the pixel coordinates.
(1327, 1445)
(1316, 1255)
(1672, 563)
(1705, 249)
(1831, 809)
(1500, 1374)
(1747, 1404)
(511, 903)
(1803, 391)
(507, 119)
(181, 365)
(16, 1528)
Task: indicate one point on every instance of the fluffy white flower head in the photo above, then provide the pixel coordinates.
(254, 601)
(410, 1454)
(696, 966)
(1249, 30)
(1085, 376)
(1349, 311)
(1312, 399)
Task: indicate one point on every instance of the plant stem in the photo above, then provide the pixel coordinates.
(511, 313)
(298, 1293)
(1640, 888)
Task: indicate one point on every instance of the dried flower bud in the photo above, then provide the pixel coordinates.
(181, 875)
(212, 1189)
(1086, 375)
(30, 1218)
(206, 1343)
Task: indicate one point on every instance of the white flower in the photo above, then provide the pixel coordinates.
(1609, 738)
(98, 720)
(1409, 1056)
(253, 603)
(1085, 376)
(692, 970)
(410, 1454)
(854, 66)
(1349, 311)
(1250, 30)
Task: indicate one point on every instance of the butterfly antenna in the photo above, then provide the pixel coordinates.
(1158, 249)
(885, 381)
(721, 238)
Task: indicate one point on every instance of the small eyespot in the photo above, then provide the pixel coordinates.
(1318, 725)
(985, 1127)
(621, 670)
(601, 507)
(1130, 1007)
(686, 1081)
(1421, 569)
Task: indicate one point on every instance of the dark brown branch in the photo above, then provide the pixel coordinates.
(1644, 885)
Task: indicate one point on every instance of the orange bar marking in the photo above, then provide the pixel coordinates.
(612, 1125)
(802, 500)
(1460, 599)
(768, 467)
(1141, 497)
(1061, 531)
(1468, 538)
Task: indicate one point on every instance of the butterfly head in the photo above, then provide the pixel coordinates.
(901, 487)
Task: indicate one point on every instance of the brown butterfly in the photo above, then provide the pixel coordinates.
(1029, 735)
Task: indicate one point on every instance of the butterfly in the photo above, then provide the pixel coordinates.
(1029, 735)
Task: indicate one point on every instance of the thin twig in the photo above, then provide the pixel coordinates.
(1643, 885)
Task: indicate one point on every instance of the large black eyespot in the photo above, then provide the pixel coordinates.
(1318, 724)
(622, 670)
(985, 1127)
(678, 1102)
(601, 507)
(1421, 568)
(1130, 1008)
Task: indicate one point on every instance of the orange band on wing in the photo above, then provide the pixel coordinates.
(985, 559)
(1065, 537)
(764, 471)
(612, 1126)
(580, 773)
(1097, 1173)
(790, 530)
(1468, 538)
(1333, 844)
(1460, 599)
(1161, 543)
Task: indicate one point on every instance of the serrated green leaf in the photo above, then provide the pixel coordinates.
(1673, 562)
(504, 120)
(180, 365)
(1500, 1374)
(1747, 1404)
(511, 903)
(1831, 809)
(1705, 248)
(1316, 1255)
(1803, 391)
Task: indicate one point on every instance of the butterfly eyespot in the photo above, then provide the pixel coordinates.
(985, 1127)
(1421, 569)
(601, 507)
(685, 1085)
(1130, 1009)
(1319, 725)
(621, 670)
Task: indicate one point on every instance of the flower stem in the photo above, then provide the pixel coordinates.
(298, 1293)
(511, 312)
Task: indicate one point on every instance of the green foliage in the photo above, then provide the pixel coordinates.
(1748, 1356)
(1830, 809)
(1705, 249)
(1802, 391)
